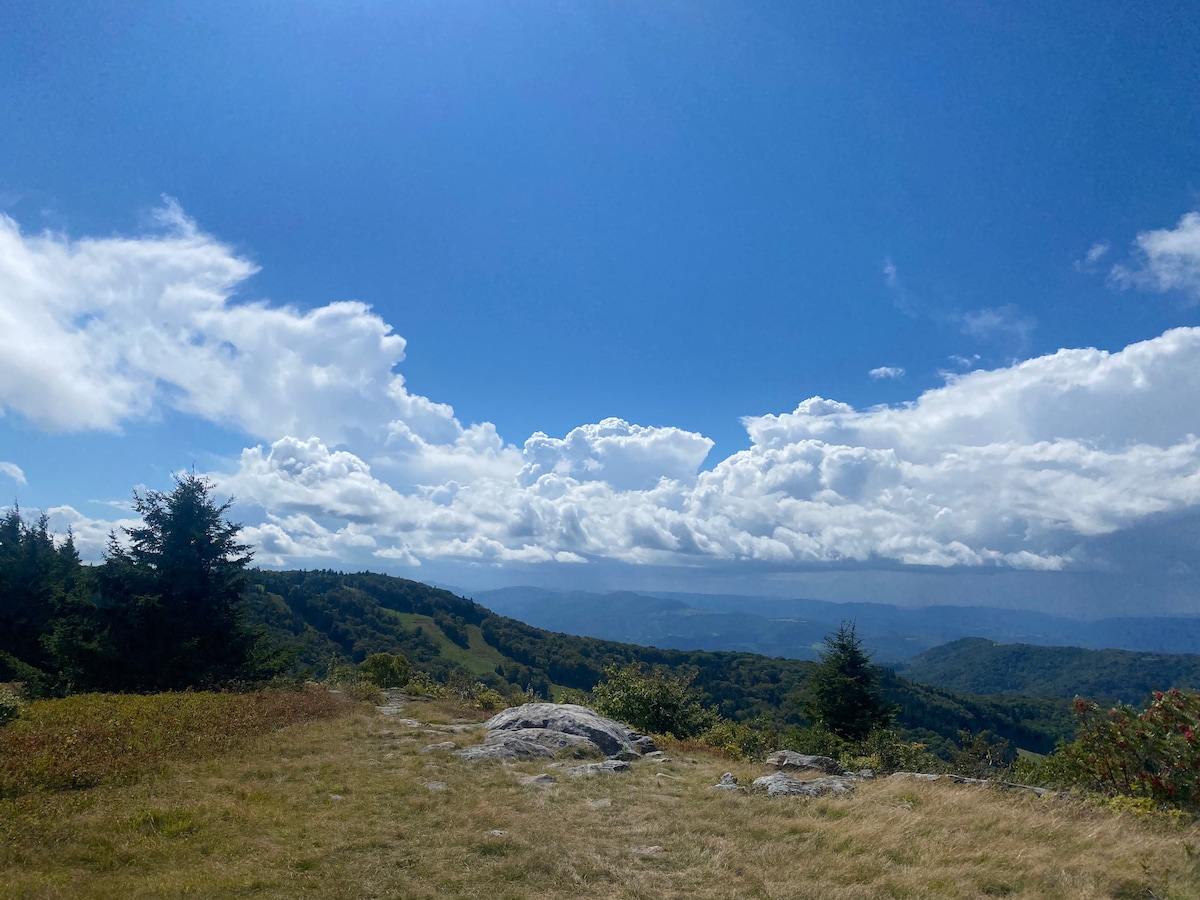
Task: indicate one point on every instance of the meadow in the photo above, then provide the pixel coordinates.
(287, 794)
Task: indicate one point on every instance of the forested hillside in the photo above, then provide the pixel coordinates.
(329, 615)
(979, 666)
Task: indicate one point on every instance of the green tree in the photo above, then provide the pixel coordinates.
(843, 692)
(173, 595)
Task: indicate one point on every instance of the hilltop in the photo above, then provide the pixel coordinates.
(360, 806)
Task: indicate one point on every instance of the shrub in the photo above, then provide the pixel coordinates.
(385, 670)
(11, 702)
(1153, 754)
(653, 702)
(741, 740)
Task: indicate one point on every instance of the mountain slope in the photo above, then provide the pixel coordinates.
(328, 615)
(979, 666)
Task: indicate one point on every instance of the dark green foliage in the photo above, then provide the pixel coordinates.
(978, 666)
(843, 691)
(173, 597)
(656, 702)
(43, 600)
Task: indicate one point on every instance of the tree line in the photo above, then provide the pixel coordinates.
(162, 612)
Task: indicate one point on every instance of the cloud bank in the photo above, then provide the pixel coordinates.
(1025, 467)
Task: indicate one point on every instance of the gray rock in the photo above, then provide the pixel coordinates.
(435, 785)
(602, 803)
(646, 851)
(527, 743)
(790, 760)
(444, 745)
(728, 782)
(780, 785)
(608, 767)
(610, 736)
(542, 780)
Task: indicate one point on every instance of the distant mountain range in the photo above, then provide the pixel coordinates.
(795, 628)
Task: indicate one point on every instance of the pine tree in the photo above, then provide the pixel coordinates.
(843, 691)
(173, 596)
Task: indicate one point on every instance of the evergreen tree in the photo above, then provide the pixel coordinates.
(40, 582)
(173, 596)
(843, 691)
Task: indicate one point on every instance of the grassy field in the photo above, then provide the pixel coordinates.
(341, 807)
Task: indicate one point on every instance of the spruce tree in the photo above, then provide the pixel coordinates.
(843, 691)
(173, 595)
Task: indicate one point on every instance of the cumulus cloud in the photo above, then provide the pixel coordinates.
(1023, 467)
(13, 471)
(100, 331)
(1166, 260)
(1017, 467)
(886, 373)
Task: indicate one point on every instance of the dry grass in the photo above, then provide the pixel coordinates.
(340, 809)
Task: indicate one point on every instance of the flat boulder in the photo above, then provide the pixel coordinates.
(790, 761)
(611, 737)
(780, 785)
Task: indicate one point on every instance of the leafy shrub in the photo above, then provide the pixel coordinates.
(422, 684)
(1154, 754)
(10, 702)
(653, 702)
(385, 670)
(741, 740)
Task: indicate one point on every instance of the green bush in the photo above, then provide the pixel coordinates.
(1154, 753)
(654, 702)
(11, 703)
(385, 670)
(741, 740)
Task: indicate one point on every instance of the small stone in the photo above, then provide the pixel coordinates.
(602, 803)
(646, 851)
(542, 780)
(444, 745)
(435, 785)
(336, 797)
(497, 832)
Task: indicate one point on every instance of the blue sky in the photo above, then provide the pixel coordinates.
(541, 293)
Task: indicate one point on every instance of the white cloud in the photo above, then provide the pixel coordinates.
(13, 471)
(628, 457)
(97, 332)
(886, 372)
(1096, 252)
(986, 324)
(1167, 260)
(1021, 467)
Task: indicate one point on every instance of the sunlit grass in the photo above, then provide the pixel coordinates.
(340, 808)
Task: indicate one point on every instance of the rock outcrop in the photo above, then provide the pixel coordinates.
(780, 785)
(791, 761)
(538, 730)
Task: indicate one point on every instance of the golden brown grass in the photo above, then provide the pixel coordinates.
(340, 809)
